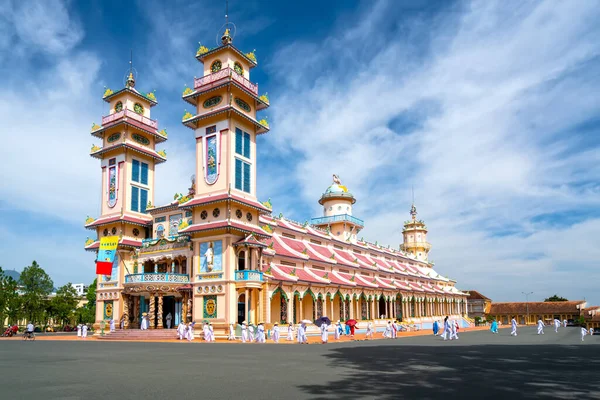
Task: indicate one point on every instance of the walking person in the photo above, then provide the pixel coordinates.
(84, 330)
(540, 325)
(290, 332)
(494, 327)
(513, 323)
(190, 332)
(112, 325)
(583, 332)
(169, 319)
(556, 325)
(251, 333)
(453, 331)
(275, 334)
(446, 329)
(181, 330)
(436, 328)
(122, 323)
(79, 331)
(394, 330)
(369, 331)
(231, 332)
(324, 333)
(244, 332)
(338, 330)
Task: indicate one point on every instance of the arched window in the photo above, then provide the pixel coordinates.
(242, 261)
(160, 231)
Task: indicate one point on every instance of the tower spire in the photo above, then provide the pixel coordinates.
(413, 209)
(226, 38)
(130, 83)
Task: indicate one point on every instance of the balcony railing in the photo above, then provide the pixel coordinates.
(249, 276)
(129, 114)
(157, 277)
(337, 218)
(200, 83)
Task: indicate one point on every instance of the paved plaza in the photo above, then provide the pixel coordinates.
(478, 365)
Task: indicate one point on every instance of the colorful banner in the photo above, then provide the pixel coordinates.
(106, 255)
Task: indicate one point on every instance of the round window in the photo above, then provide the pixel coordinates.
(113, 231)
(330, 208)
(249, 217)
(237, 67)
(203, 214)
(105, 232)
(138, 108)
(216, 66)
(238, 213)
(136, 232)
(118, 106)
(216, 212)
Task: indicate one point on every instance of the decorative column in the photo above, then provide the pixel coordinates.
(268, 310)
(301, 312)
(331, 304)
(155, 268)
(351, 308)
(246, 305)
(173, 266)
(136, 310)
(125, 312)
(190, 307)
(184, 308)
(151, 311)
(160, 311)
(342, 317)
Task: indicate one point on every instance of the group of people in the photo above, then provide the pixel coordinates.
(540, 327)
(82, 331)
(186, 331)
(449, 329)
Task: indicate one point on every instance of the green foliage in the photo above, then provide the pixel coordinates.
(556, 298)
(36, 286)
(63, 305)
(10, 305)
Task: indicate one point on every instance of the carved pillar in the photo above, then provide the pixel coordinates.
(184, 308)
(136, 311)
(151, 312)
(173, 266)
(160, 312)
(331, 304)
(247, 305)
(125, 311)
(190, 307)
(301, 313)
(246, 258)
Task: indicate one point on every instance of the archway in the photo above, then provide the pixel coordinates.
(399, 307)
(364, 313)
(413, 307)
(241, 264)
(382, 307)
(241, 308)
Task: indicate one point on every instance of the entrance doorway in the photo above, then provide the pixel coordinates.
(241, 309)
(382, 308)
(168, 308)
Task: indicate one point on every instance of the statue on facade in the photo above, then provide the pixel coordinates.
(209, 254)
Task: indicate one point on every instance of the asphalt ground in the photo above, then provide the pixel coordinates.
(480, 365)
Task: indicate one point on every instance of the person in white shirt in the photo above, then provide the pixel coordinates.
(30, 329)
(79, 330)
(369, 333)
(540, 325)
(84, 330)
(565, 323)
(591, 330)
(260, 333)
(275, 334)
(169, 318)
(290, 332)
(338, 328)
(231, 332)
(324, 333)
(189, 334)
(181, 330)
(556, 325)
(513, 323)
(583, 332)
(251, 333)
(211, 332)
(244, 332)
(112, 325)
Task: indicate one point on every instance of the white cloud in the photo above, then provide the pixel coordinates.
(505, 86)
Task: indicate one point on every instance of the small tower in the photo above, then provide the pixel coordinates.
(337, 216)
(414, 237)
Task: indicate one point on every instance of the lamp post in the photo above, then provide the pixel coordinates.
(527, 305)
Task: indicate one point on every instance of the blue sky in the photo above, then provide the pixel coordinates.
(489, 109)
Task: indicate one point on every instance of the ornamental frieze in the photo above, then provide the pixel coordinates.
(164, 244)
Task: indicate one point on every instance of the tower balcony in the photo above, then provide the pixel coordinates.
(248, 278)
(416, 245)
(115, 117)
(157, 277)
(337, 218)
(225, 75)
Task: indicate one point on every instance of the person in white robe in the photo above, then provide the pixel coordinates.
(251, 333)
(84, 330)
(513, 323)
(112, 325)
(211, 332)
(290, 332)
(79, 330)
(565, 323)
(540, 326)
(181, 330)
(453, 331)
(338, 329)
(302, 339)
(169, 318)
(244, 332)
(556, 325)
(387, 333)
(324, 333)
(369, 331)
(275, 334)
(260, 333)
(231, 332)
(189, 334)
(446, 329)
(144, 324)
(591, 331)
(394, 330)
(583, 332)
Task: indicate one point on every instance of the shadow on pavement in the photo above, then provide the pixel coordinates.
(454, 372)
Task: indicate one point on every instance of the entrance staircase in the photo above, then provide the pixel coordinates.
(138, 334)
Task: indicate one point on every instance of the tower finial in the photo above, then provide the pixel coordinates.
(413, 209)
(226, 38)
(130, 82)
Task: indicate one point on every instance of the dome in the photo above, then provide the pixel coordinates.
(335, 188)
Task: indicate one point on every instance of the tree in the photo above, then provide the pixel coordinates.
(8, 298)
(36, 286)
(87, 313)
(64, 304)
(556, 298)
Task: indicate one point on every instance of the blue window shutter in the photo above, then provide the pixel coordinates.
(135, 199)
(246, 145)
(247, 177)
(143, 199)
(135, 171)
(144, 179)
(238, 141)
(238, 174)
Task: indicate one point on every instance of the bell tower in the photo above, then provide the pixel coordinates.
(414, 237)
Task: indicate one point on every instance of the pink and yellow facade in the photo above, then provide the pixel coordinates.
(217, 253)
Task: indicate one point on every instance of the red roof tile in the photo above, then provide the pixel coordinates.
(119, 218)
(198, 201)
(545, 307)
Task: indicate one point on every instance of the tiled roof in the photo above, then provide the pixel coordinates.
(119, 218)
(475, 295)
(546, 307)
(204, 200)
(224, 225)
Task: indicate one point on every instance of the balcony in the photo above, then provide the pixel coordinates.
(209, 81)
(418, 244)
(167, 243)
(157, 277)
(337, 218)
(248, 276)
(129, 114)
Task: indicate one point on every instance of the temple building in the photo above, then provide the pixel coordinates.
(217, 253)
